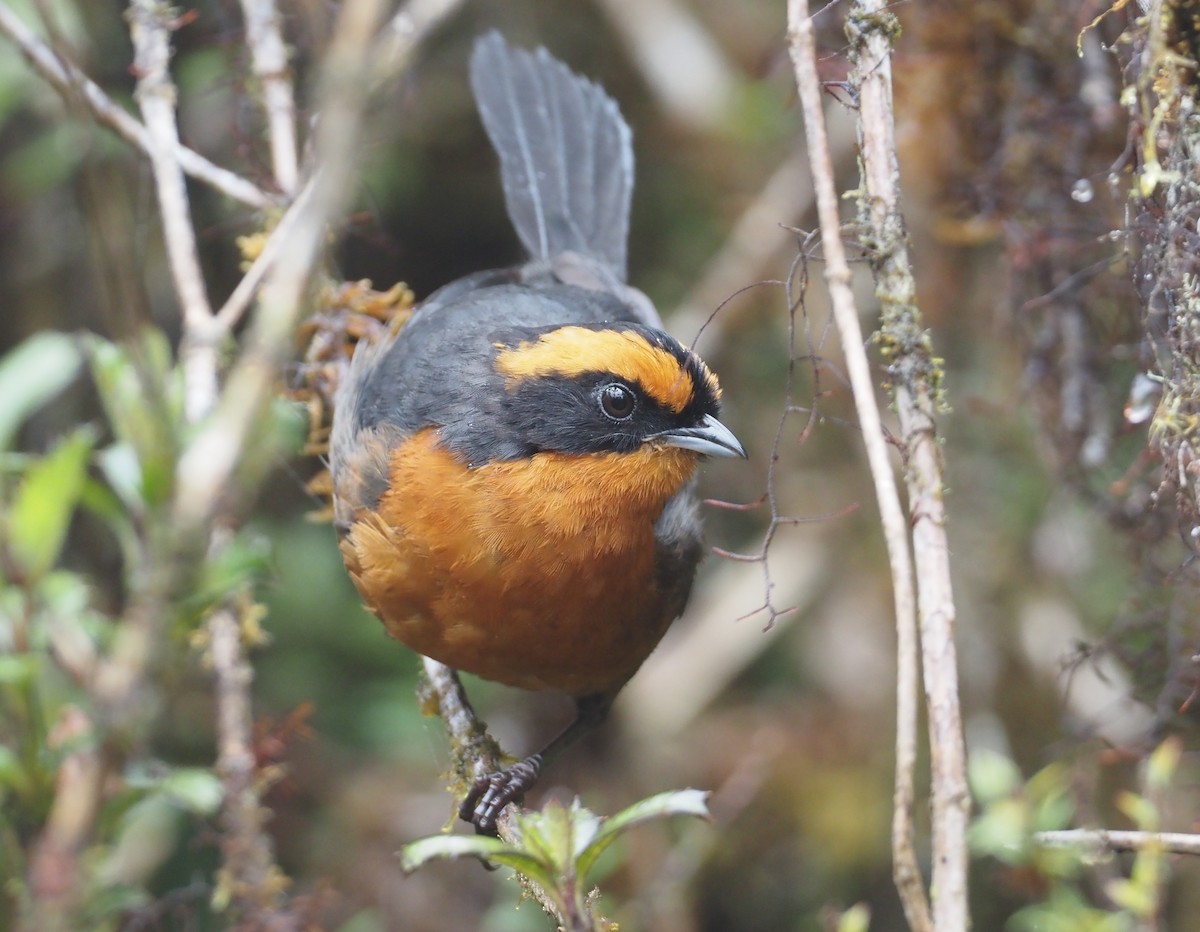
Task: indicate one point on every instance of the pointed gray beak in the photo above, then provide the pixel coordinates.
(711, 437)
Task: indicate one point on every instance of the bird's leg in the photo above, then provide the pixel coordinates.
(493, 791)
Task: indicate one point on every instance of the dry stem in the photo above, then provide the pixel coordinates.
(871, 28)
(150, 26)
(1099, 841)
(895, 525)
(269, 54)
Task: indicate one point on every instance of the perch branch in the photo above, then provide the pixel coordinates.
(471, 745)
(894, 523)
(73, 84)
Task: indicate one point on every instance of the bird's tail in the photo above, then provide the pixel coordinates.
(566, 158)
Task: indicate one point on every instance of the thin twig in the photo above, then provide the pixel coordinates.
(894, 523)
(243, 294)
(248, 866)
(150, 27)
(73, 84)
(871, 28)
(269, 55)
(1102, 840)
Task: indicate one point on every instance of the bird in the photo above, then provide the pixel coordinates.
(514, 469)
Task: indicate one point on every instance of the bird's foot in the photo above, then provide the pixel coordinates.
(493, 791)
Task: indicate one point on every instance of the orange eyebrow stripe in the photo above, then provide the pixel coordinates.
(573, 351)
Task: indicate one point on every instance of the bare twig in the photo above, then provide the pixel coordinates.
(72, 84)
(871, 28)
(895, 525)
(1103, 840)
(150, 26)
(248, 870)
(269, 54)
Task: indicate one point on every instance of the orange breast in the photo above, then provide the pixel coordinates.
(539, 573)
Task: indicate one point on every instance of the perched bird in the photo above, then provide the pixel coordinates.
(513, 470)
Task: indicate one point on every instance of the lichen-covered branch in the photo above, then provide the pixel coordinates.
(894, 522)
(915, 381)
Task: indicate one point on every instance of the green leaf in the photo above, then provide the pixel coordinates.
(1130, 896)
(689, 802)
(18, 669)
(1141, 811)
(419, 853)
(196, 789)
(1163, 763)
(121, 469)
(32, 374)
(856, 919)
(147, 835)
(46, 500)
(246, 559)
(1002, 831)
(1053, 812)
(992, 775)
(140, 393)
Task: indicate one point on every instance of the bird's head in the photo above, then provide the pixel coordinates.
(609, 388)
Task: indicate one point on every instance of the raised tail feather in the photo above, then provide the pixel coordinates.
(566, 158)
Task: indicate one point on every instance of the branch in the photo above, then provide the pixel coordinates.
(895, 525)
(150, 28)
(476, 753)
(248, 869)
(72, 84)
(1103, 840)
(915, 377)
(269, 54)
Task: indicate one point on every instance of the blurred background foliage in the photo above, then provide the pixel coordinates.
(1075, 587)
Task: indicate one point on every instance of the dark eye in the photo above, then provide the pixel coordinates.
(617, 401)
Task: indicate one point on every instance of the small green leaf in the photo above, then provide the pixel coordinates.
(32, 374)
(139, 391)
(992, 775)
(46, 500)
(11, 771)
(245, 559)
(197, 790)
(1053, 812)
(417, 854)
(1141, 811)
(18, 669)
(1163, 763)
(1129, 896)
(689, 802)
(546, 834)
(123, 472)
(856, 919)
(147, 834)
(1002, 831)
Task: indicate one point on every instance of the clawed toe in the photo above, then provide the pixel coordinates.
(493, 791)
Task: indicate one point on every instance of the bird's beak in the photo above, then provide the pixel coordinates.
(711, 437)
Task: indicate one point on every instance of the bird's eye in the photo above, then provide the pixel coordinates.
(617, 401)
